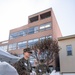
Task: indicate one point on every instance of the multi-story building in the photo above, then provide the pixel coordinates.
(40, 26)
(67, 55)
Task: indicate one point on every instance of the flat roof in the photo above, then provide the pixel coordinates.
(40, 12)
(66, 37)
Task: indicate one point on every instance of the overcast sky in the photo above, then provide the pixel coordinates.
(14, 13)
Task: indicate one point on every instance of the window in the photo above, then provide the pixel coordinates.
(32, 42)
(42, 38)
(33, 30)
(21, 33)
(1, 47)
(36, 40)
(45, 15)
(33, 19)
(13, 35)
(22, 44)
(25, 32)
(36, 29)
(4, 47)
(47, 37)
(13, 46)
(69, 50)
(18, 34)
(45, 26)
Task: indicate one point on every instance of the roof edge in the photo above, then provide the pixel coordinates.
(66, 37)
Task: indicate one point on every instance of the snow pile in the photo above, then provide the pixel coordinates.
(7, 69)
(55, 73)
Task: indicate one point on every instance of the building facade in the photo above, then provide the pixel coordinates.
(40, 26)
(67, 55)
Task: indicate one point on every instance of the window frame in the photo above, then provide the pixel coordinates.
(21, 43)
(12, 46)
(32, 41)
(12, 34)
(45, 26)
(42, 38)
(5, 47)
(68, 50)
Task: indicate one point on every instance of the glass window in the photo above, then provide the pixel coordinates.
(13, 46)
(25, 32)
(33, 30)
(48, 25)
(36, 40)
(49, 37)
(32, 42)
(21, 33)
(22, 44)
(69, 50)
(42, 27)
(17, 34)
(13, 35)
(4, 47)
(45, 26)
(42, 38)
(36, 29)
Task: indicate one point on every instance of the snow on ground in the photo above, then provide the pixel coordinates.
(55, 73)
(7, 69)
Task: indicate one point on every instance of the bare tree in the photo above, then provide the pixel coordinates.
(46, 49)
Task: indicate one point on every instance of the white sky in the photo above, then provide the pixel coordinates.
(14, 13)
